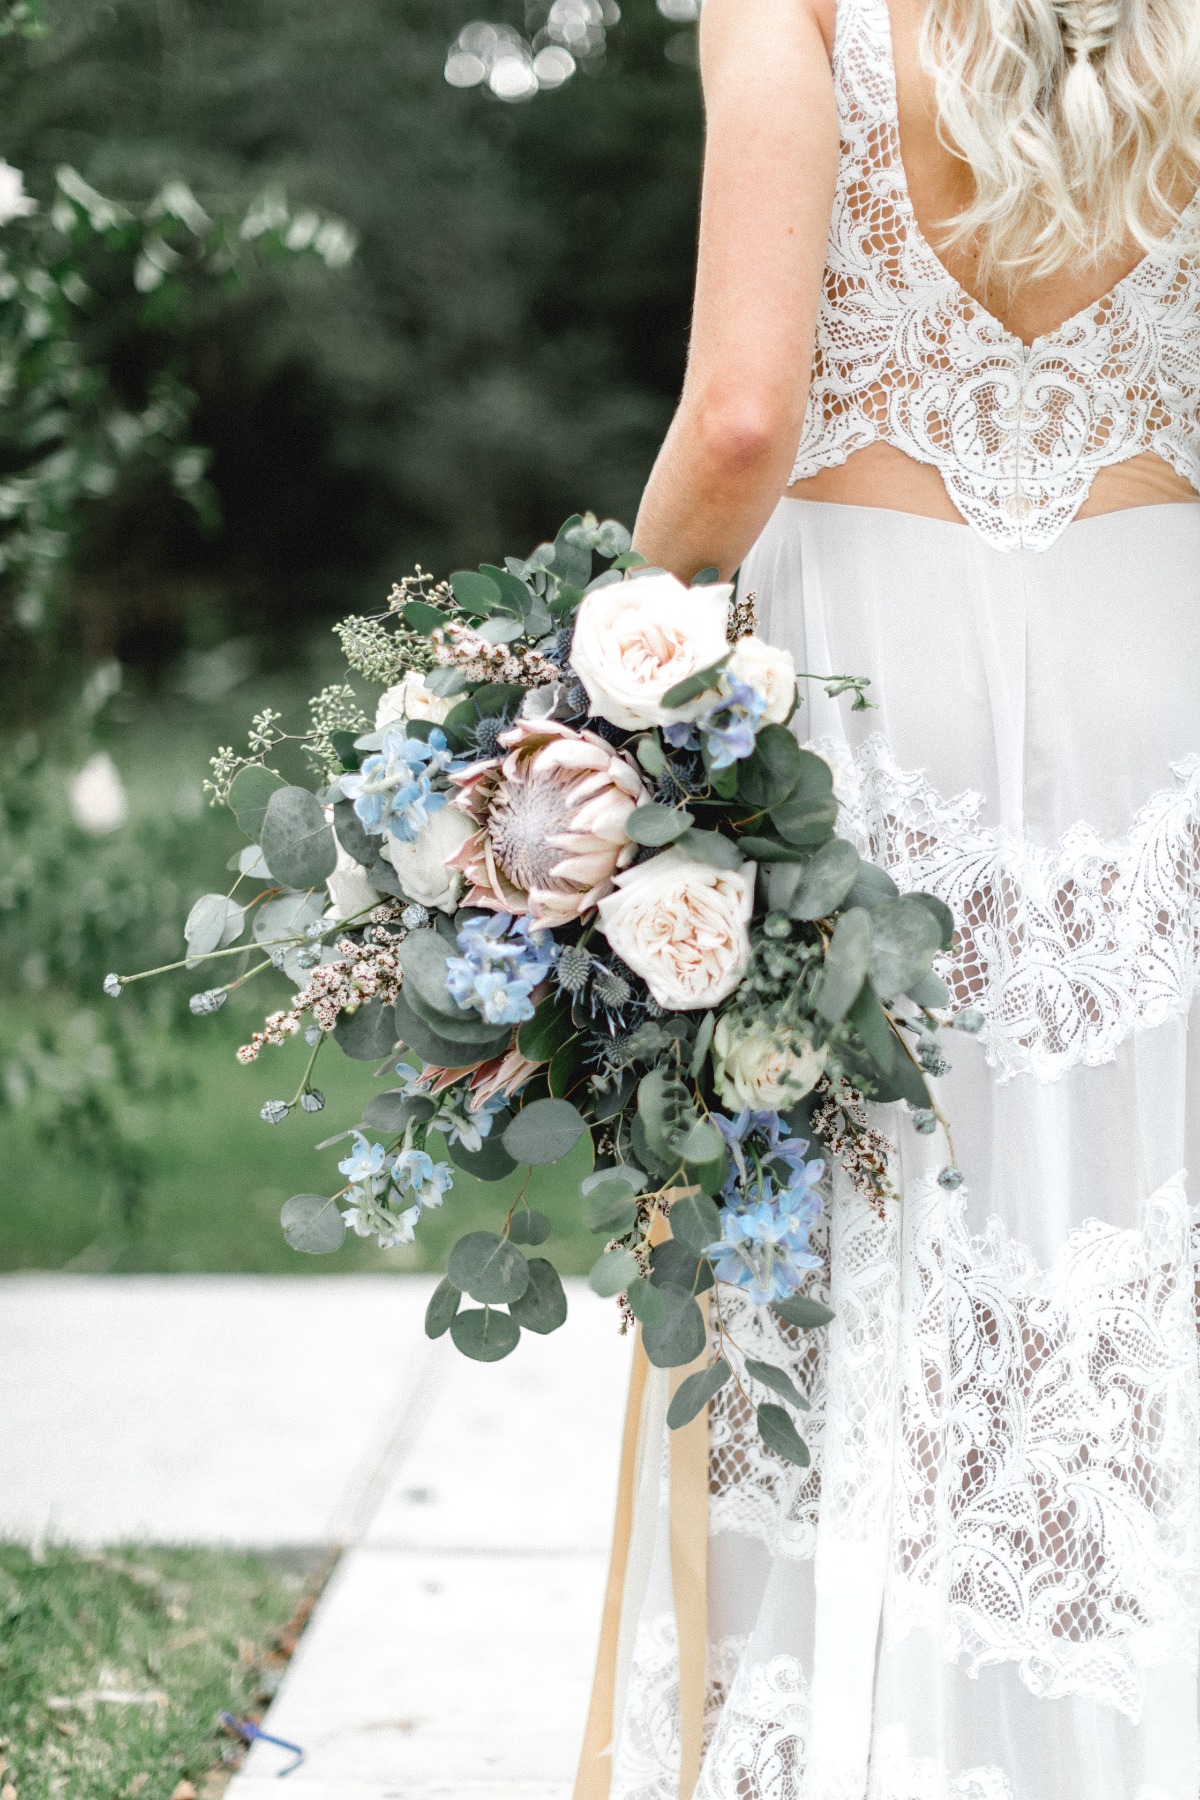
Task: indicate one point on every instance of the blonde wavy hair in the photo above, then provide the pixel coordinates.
(1080, 120)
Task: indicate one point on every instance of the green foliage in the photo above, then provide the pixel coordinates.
(512, 328)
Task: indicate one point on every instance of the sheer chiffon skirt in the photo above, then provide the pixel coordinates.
(987, 1585)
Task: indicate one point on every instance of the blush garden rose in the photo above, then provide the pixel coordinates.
(635, 640)
(683, 927)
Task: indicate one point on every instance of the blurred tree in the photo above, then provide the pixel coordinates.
(505, 348)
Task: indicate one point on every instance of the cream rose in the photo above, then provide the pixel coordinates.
(350, 892)
(410, 699)
(635, 640)
(769, 671)
(682, 926)
(421, 867)
(765, 1067)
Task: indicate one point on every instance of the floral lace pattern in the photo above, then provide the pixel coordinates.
(646, 1764)
(905, 355)
(760, 1747)
(1046, 1510)
(1066, 950)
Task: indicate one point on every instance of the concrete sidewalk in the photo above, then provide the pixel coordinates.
(450, 1656)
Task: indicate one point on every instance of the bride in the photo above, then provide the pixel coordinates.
(943, 410)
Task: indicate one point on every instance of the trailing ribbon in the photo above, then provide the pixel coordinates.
(249, 1731)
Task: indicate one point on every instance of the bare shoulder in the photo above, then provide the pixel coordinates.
(783, 29)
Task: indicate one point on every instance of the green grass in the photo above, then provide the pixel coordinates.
(219, 1175)
(194, 1632)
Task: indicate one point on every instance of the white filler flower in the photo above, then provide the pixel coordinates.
(635, 640)
(683, 927)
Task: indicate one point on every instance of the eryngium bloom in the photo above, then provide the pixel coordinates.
(551, 818)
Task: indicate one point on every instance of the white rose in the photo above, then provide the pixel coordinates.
(769, 671)
(410, 699)
(421, 867)
(765, 1067)
(682, 926)
(634, 640)
(350, 892)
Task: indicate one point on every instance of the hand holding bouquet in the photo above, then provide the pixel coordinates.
(581, 879)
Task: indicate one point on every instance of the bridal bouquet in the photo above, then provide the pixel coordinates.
(578, 879)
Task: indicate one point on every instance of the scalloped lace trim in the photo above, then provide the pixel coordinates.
(1065, 950)
(1023, 1439)
(905, 355)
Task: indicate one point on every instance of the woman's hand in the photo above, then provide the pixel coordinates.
(770, 168)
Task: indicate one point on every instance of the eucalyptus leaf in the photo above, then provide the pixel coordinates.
(488, 1267)
(528, 1227)
(905, 938)
(355, 840)
(899, 1076)
(484, 1334)
(213, 922)
(771, 773)
(393, 1111)
(544, 1132)
(419, 616)
(542, 1308)
(655, 826)
(807, 1314)
(474, 592)
(703, 1044)
(444, 1302)
(610, 1207)
(702, 1144)
(249, 792)
(288, 917)
(367, 1034)
(872, 885)
(695, 1391)
(612, 1273)
(682, 1339)
(771, 851)
(930, 991)
(432, 1047)
(312, 1223)
(779, 1434)
(941, 914)
(702, 682)
(423, 957)
(827, 881)
(845, 966)
(549, 1029)
(673, 1266)
(491, 1162)
(646, 1302)
(695, 1223)
(777, 1380)
(296, 840)
(251, 864)
(502, 628)
(650, 752)
(712, 848)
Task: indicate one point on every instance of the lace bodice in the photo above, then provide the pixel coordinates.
(905, 356)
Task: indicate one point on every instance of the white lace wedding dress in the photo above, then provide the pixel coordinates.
(987, 1586)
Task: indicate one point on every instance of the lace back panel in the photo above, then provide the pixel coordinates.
(905, 356)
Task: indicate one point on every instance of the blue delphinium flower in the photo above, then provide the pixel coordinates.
(465, 1125)
(764, 1247)
(770, 1202)
(729, 723)
(380, 1184)
(393, 792)
(503, 959)
(366, 1163)
(428, 1181)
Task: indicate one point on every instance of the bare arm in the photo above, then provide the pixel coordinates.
(770, 167)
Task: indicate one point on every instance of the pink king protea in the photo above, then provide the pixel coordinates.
(551, 815)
